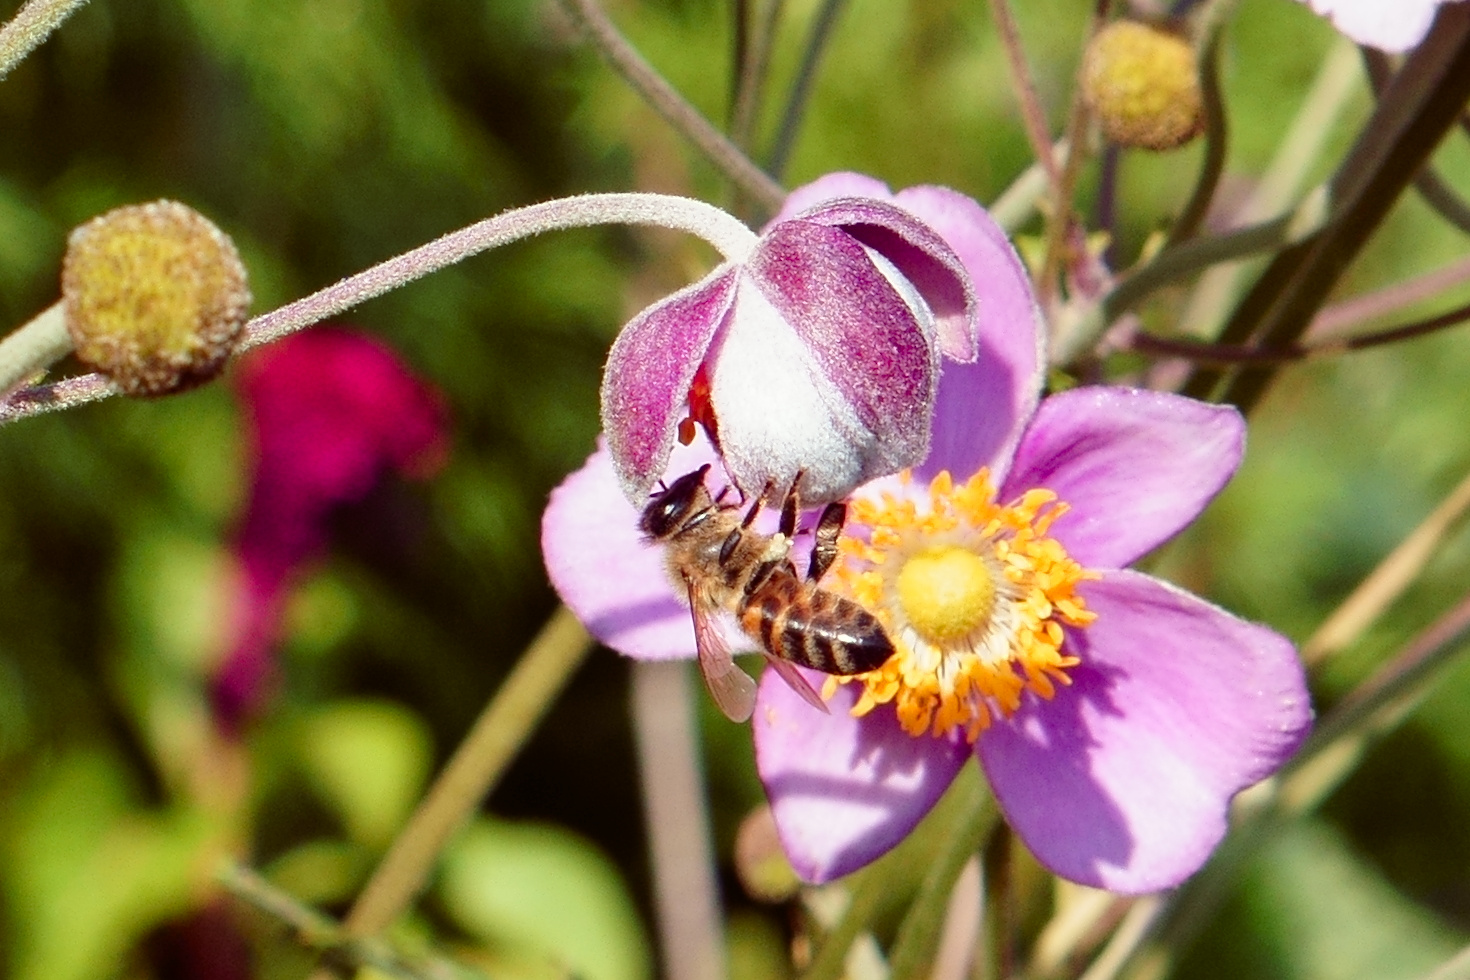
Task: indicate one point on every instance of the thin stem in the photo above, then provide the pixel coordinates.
(720, 229)
(1033, 113)
(999, 878)
(801, 87)
(1389, 580)
(676, 110)
(472, 771)
(1337, 318)
(1201, 352)
(1420, 105)
(31, 25)
(915, 945)
(1015, 205)
(755, 62)
(320, 932)
(868, 890)
(677, 820)
(33, 348)
(1217, 135)
(1063, 213)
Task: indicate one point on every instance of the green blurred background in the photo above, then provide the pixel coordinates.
(325, 135)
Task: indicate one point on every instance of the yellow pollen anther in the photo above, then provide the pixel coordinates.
(975, 596)
(947, 593)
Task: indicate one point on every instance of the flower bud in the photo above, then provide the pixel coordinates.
(1142, 83)
(155, 296)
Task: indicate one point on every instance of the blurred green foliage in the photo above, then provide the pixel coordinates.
(324, 135)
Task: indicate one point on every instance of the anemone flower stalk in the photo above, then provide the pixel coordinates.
(1114, 714)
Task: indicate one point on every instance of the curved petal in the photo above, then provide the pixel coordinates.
(605, 572)
(825, 368)
(843, 790)
(1135, 466)
(843, 183)
(649, 370)
(983, 407)
(1124, 780)
(920, 253)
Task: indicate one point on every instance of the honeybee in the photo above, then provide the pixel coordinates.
(723, 564)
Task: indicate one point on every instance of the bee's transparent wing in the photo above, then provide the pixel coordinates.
(731, 687)
(797, 683)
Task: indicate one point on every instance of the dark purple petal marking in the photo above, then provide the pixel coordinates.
(1135, 466)
(859, 331)
(843, 790)
(920, 253)
(649, 370)
(1123, 781)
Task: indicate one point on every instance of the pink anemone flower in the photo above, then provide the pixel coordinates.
(1115, 715)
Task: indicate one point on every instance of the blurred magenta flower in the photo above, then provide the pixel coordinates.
(1391, 25)
(818, 354)
(1114, 714)
(330, 411)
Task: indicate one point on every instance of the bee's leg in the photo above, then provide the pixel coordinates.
(791, 508)
(760, 501)
(824, 546)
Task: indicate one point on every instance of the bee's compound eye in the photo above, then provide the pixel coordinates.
(667, 510)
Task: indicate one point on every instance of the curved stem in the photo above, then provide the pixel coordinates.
(675, 109)
(31, 25)
(33, 348)
(801, 89)
(1217, 133)
(720, 229)
(471, 772)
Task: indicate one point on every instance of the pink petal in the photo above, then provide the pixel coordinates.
(1135, 466)
(923, 257)
(843, 790)
(1124, 780)
(982, 407)
(825, 188)
(607, 575)
(851, 399)
(645, 385)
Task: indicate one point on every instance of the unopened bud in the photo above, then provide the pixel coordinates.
(155, 295)
(1142, 83)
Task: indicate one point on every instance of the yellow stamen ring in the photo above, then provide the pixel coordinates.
(974, 596)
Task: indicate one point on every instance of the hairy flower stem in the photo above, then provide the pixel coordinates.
(476, 766)
(676, 110)
(31, 25)
(33, 348)
(675, 813)
(733, 239)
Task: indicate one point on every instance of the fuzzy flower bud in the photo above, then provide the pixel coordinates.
(1142, 82)
(816, 357)
(155, 296)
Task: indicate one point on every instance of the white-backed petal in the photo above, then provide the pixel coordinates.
(645, 386)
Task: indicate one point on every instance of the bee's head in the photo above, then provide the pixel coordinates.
(671, 506)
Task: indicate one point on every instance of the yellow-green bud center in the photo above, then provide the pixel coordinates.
(155, 297)
(1143, 84)
(947, 593)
